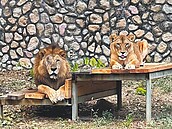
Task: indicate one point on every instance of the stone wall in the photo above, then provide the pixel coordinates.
(81, 27)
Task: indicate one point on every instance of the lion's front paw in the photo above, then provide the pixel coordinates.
(53, 96)
(60, 95)
(117, 66)
(130, 66)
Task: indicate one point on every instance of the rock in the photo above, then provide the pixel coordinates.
(44, 18)
(28, 54)
(95, 18)
(157, 31)
(5, 49)
(12, 20)
(133, 9)
(106, 39)
(13, 54)
(2, 43)
(33, 44)
(34, 16)
(78, 38)
(116, 3)
(136, 19)
(20, 51)
(8, 37)
(46, 40)
(159, 1)
(98, 37)
(75, 46)
(17, 12)
(83, 45)
(27, 7)
(93, 28)
(104, 59)
(21, 2)
(139, 33)
(17, 36)
(23, 21)
(69, 2)
(3, 2)
(121, 24)
(14, 44)
(166, 37)
(159, 17)
(31, 29)
(92, 4)
(149, 36)
(155, 8)
(105, 28)
(166, 26)
(81, 7)
(55, 38)
(62, 28)
(134, 1)
(5, 58)
(132, 27)
(106, 51)
(105, 4)
(80, 22)
(167, 9)
(98, 49)
(91, 48)
(25, 62)
(7, 12)
(57, 18)
(49, 9)
(48, 30)
(162, 47)
(69, 19)
(40, 28)
(157, 57)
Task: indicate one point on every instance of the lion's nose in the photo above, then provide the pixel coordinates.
(53, 69)
(122, 52)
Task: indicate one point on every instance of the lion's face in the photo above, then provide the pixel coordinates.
(53, 64)
(122, 45)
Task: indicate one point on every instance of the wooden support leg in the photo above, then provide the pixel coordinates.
(148, 100)
(74, 101)
(1, 111)
(119, 94)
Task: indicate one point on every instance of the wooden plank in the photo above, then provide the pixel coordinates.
(15, 96)
(35, 95)
(147, 68)
(103, 71)
(68, 88)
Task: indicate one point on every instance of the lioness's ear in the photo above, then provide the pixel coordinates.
(62, 53)
(112, 37)
(131, 37)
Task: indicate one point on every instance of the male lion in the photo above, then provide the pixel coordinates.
(50, 71)
(125, 53)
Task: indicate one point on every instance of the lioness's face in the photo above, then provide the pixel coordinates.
(53, 64)
(122, 45)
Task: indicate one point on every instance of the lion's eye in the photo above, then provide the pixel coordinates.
(127, 45)
(57, 60)
(118, 45)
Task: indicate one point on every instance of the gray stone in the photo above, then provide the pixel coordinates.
(132, 27)
(69, 2)
(7, 11)
(105, 28)
(93, 28)
(106, 39)
(3, 2)
(106, 50)
(44, 18)
(17, 36)
(162, 47)
(137, 19)
(160, 1)
(91, 48)
(34, 16)
(31, 29)
(27, 7)
(28, 54)
(2, 43)
(98, 37)
(50, 9)
(155, 8)
(48, 30)
(105, 4)
(21, 2)
(157, 31)
(167, 37)
(80, 22)
(83, 45)
(149, 36)
(157, 57)
(33, 44)
(14, 44)
(62, 29)
(55, 38)
(98, 49)
(12, 3)
(166, 26)
(8, 37)
(46, 40)
(121, 24)
(5, 58)
(69, 19)
(61, 43)
(78, 38)
(159, 17)
(25, 62)
(5, 49)
(139, 33)
(23, 21)
(57, 18)
(95, 18)
(81, 7)
(40, 28)
(167, 8)
(20, 51)
(104, 60)
(92, 4)
(166, 53)
(17, 12)
(13, 54)
(75, 46)
(116, 3)
(133, 9)
(23, 44)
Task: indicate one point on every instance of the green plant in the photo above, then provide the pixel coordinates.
(31, 73)
(140, 91)
(128, 120)
(74, 67)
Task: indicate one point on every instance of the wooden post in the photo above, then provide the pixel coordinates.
(119, 94)
(148, 100)
(1, 111)
(74, 98)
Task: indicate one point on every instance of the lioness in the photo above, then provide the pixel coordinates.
(50, 71)
(125, 53)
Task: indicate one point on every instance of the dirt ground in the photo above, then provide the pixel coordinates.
(93, 114)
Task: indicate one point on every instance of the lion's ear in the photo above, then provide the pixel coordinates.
(62, 53)
(41, 53)
(131, 37)
(112, 37)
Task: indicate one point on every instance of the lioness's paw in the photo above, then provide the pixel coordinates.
(130, 66)
(118, 66)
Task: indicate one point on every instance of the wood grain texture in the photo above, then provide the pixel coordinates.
(34, 95)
